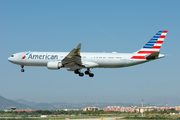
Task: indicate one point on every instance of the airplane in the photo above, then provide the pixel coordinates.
(77, 60)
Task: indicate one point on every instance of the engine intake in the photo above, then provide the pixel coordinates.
(54, 65)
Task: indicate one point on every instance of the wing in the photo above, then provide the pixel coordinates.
(73, 58)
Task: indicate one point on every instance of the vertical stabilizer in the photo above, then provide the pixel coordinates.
(153, 45)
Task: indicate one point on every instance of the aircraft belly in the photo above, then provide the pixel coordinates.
(134, 62)
(111, 64)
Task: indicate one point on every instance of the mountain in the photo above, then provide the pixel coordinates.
(64, 105)
(6, 104)
(44, 106)
(25, 102)
(101, 105)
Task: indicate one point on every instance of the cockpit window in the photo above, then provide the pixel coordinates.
(12, 55)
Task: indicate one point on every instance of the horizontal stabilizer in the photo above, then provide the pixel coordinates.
(152, 56)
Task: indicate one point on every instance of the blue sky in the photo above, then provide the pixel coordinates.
(101, 26)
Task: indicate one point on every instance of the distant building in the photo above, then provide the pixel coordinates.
(13, 108)
(177, 108)
(25, 110)
(151, 108)
(43, 116)
(137, 109)
(70, 109)
(118, 108)
(91, 109)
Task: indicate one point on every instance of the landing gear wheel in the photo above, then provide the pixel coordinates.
(22, 70)
(91, 75)
(87, 72)
(81, 74)
(76, 71)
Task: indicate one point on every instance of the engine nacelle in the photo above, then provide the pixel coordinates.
(55, 65)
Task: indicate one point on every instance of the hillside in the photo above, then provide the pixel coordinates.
(24, 104)
(6, 104)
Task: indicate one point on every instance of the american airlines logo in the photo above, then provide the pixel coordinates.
(49, 57)
(25, 56)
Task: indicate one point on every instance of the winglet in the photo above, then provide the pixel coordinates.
(78, 46)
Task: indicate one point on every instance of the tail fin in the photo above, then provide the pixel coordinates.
(153, 45)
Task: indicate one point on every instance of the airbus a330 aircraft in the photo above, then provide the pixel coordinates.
(76, 60)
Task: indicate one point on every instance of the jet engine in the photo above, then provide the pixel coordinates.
(55, 65)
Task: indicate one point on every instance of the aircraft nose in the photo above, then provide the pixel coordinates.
(9, 59)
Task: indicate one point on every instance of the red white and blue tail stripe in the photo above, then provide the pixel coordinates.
(153, 45)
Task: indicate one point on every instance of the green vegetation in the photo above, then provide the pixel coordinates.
(156, 116)
(61, 114)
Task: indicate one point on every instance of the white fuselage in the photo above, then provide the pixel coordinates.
(76, 60)
(89, 60)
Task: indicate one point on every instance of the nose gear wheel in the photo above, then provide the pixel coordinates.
(22, 70)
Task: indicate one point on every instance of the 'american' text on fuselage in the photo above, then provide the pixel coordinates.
(50, 57)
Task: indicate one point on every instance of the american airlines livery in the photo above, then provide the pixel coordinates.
(76, 60)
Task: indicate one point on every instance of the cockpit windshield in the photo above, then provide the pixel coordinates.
(12, 55)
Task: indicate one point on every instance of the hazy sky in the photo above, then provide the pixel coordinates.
(101, 26)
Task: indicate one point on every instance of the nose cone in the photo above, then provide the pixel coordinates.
(9, 59)
(13, 59)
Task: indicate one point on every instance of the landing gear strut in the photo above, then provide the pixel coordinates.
(22, 70)
(88, 72)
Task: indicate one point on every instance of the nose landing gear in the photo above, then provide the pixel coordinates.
(22, 70)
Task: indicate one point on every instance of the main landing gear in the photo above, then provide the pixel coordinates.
(22, 70)
(87, 72)
(77, 71)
